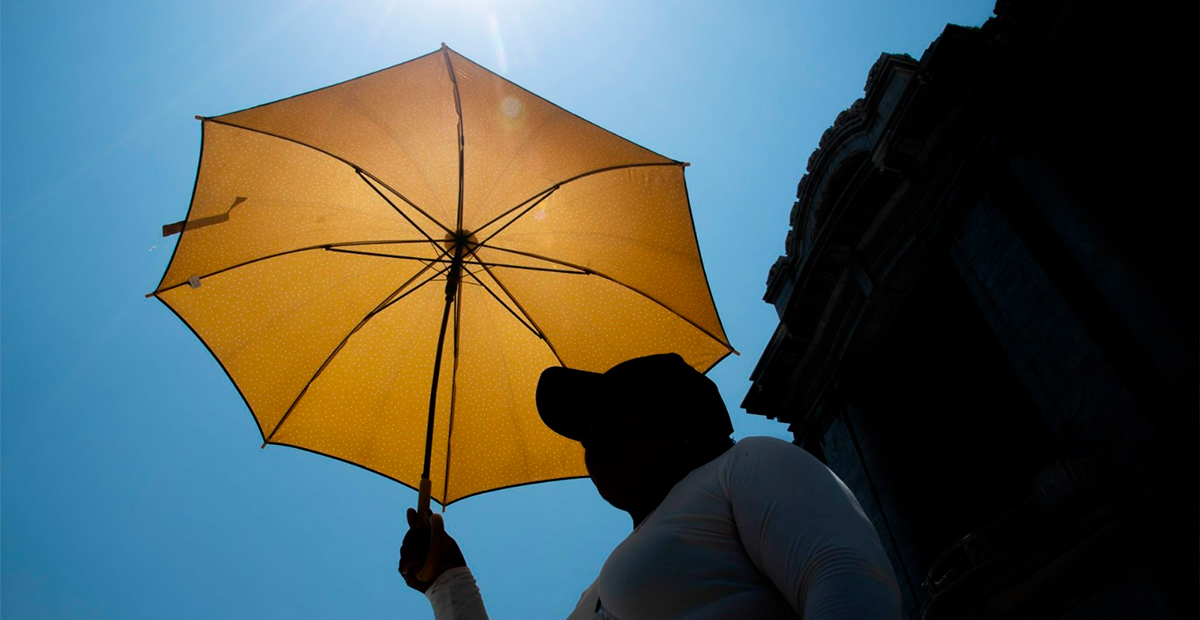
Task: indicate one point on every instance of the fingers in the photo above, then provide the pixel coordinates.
(427, 550)
(432, 567)
(415, 547)
(418, 517)
(409, 574)
(410, 564)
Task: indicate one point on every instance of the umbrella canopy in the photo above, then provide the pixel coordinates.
(335, 237)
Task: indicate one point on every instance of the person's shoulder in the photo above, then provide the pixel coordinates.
(766, 443)
(766, 446)
(773, 452)
(767, 462)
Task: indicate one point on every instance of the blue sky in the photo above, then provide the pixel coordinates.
(132, 484)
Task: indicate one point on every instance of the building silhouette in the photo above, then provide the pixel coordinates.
(988, 313)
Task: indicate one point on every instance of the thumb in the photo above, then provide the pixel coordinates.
(412, 517)
(438, 526)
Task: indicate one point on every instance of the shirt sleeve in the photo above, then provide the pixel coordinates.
(454, 596)
(805, 531)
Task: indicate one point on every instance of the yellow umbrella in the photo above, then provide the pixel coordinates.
(336, 238)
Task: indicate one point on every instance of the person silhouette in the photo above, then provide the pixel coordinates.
(756, 528)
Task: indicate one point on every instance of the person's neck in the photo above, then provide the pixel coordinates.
(657, 490)
(643, 510)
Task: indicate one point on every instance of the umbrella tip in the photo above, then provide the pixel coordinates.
(444, 46)
(686, 163)
(200, 118)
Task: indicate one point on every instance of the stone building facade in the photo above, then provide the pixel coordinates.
(988, 313)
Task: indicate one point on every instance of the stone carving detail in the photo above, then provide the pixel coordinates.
(877, 68)
(846, 117)
(812, 159)
(850, 114)
(776, 270)
(827, 137)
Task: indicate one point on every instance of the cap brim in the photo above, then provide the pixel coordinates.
(568, 400)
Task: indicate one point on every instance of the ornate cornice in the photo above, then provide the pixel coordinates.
(854, 120)
(862, 163)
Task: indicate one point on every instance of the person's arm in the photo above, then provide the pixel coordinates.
(804, 530)
(451, 590)
(454, 596)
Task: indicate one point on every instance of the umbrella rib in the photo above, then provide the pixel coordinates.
(381, 255)
(556, 106)
(461, 137)
(446, 260)
(572, 179)
(506, 373)
(614, 281)
(387, 301)
(696, 239)
(323, 246)
(431, 278)
(404, 215)
(541, 334)
(527, 267)
(518, 206)
(505, 306)
(356, 167)
(401, 196)
(531, 206)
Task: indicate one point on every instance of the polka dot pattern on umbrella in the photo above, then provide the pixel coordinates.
(315, 255)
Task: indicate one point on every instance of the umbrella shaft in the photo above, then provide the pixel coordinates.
(452, 278)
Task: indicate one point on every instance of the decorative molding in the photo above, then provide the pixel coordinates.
(877, 69)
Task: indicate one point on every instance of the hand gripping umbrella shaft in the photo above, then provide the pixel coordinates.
(453, 276)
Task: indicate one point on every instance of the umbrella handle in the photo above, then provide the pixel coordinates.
(437, 529)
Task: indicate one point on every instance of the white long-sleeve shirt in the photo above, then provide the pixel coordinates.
(762, 531)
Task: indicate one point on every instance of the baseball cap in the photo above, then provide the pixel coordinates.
(656, 390)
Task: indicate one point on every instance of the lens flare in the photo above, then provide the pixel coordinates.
(511, 106)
